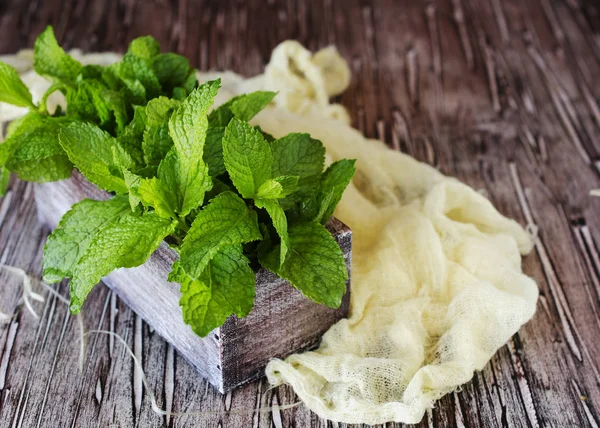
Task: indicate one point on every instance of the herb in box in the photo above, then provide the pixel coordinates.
(225, 197)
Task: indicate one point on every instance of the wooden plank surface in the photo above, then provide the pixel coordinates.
(503, 94)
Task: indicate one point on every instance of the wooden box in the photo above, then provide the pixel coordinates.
(282, 321)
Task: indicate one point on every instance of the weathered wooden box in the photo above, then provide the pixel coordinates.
(282, 321)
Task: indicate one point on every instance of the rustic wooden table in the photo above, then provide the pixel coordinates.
(503, 94)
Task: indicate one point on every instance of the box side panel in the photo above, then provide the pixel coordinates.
(281, 323)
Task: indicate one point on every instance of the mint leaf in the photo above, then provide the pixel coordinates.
(314, 264)
(131, 138)
(95, 237)
(12, 89)
(157, 141)
(33, 152)
(226, 220)
(184, 172)
(71, 238)
(152, 193)
(92, 101)
(323, 204)
(225, 287)
(213, 150)
(24, 124)
(39, 157)
(131, 145)
(190, 82)
(265, 134)
(298, 155)
(335, 180)
(96, 154)
(218, 188)
(115, 104)
(145, 47)
(279, 222)
(137, 126)
(136, 75)
(133, 68)
(127, 242)
(247, 106)
(52, 89)
(50, 60)
(244, 107)
(247, 157)
(4, 179)
(270, 189)
(278, 187)
(171, 70)
(86, 102)
(132, 181)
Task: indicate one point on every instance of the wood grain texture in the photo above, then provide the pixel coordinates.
(502, 94)
(281, 322)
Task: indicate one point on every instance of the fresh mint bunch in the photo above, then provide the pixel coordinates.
(224, 194)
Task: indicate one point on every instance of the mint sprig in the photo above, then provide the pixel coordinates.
(226, 195)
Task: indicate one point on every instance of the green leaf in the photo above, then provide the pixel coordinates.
(125, 242)
(132, 146)
(134, 68)
(96, 154)
(34, 152)
(49, 59)
(136, 75)
(314, 264)
(52, 89)
(132, 137)
(77, 228)
(335, 180)
(12, 89)
(116, 104)
(218, 188)
(226, 220)
(171, 69)
(247, 157)
(278, 187)
(132, 181)
(137, 126)
(244, 107)
(184, 172)
(265, 134)
(225, 287)
(92, 101)
(325, 201)
(153, 193)
(4, 179)
(24, 124)
(213, 150)
(145, 47)
(279, 222)
(157, 141)
(190, 83)
(270, 189)
(298, 155)
(248, 106)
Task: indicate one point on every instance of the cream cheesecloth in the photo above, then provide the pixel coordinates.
(437, 285)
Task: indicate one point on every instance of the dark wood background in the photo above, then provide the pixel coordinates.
(503, 94)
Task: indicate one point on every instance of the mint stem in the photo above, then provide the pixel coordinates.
(183, 225)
